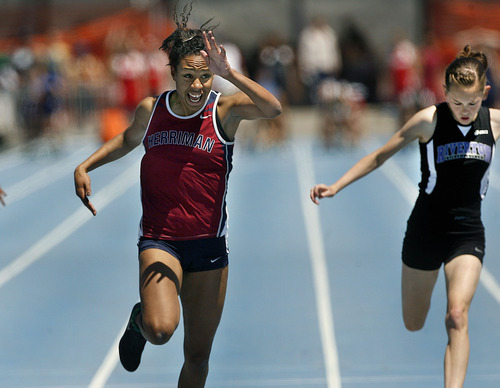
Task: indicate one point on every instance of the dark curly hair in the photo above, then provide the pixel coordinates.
(468, 68)
(184, 41)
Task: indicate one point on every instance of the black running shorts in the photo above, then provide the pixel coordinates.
(436, 237)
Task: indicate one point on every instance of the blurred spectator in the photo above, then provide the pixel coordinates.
(156, 73)
(404, 66)
(9, 84)
(319, 55)
(23, 57)
(405, 69)
(129, 66)
(27, 103)
(274, 59)
(341, 105)
(433, 66)
(58, 52)
(56, 60)
(23, 61)
(359, 64)
(87, 74)
(50, 103)
(492, 74)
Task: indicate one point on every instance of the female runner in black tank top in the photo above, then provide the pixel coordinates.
(457, 140)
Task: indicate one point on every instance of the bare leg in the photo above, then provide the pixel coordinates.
(202, 297)
(160, 283)
(416, 289)
(462, 276)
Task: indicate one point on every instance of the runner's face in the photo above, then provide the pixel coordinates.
(193, 80)
(465, 102)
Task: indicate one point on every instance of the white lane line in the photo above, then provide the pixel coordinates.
(303, 158)
(490, 283)
(109, 364)
(400, 179)
(43, 177)
(409, 191)
(494, 180)
(109, 193)
(487, 279)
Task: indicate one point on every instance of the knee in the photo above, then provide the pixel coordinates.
(198, 361)
(456, 318)
(414, 324)
(158, 332)
(415, 314)
(197, 355)
(412, 321)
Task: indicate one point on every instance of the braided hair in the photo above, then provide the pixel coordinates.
(468, 68)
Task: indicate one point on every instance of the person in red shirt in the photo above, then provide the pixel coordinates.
(188, 136)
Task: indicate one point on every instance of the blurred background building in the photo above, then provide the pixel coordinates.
(83, 65)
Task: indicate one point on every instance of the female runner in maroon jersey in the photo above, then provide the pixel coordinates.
(188, 136)
(457, 140)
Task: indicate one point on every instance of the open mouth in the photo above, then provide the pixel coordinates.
(194, 98)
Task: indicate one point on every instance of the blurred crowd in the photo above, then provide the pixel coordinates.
(50, 88)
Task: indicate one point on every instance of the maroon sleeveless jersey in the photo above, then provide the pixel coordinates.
(184, 173)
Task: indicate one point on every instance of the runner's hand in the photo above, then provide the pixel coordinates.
(82, 188)
(2, 195)
(320, 191)
(215, 56)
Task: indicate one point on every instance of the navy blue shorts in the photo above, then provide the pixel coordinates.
(194, 255)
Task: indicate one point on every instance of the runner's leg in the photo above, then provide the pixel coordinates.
(462, 277)
(416, 290)
(202, 297)
(160, 284)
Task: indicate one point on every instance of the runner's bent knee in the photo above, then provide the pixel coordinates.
(157, 331)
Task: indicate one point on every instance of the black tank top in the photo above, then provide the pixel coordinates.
(455, 162)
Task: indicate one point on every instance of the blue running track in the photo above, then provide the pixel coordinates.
(314, 292)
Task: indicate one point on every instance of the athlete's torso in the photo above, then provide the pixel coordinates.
(455, 162)
(184, 173)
